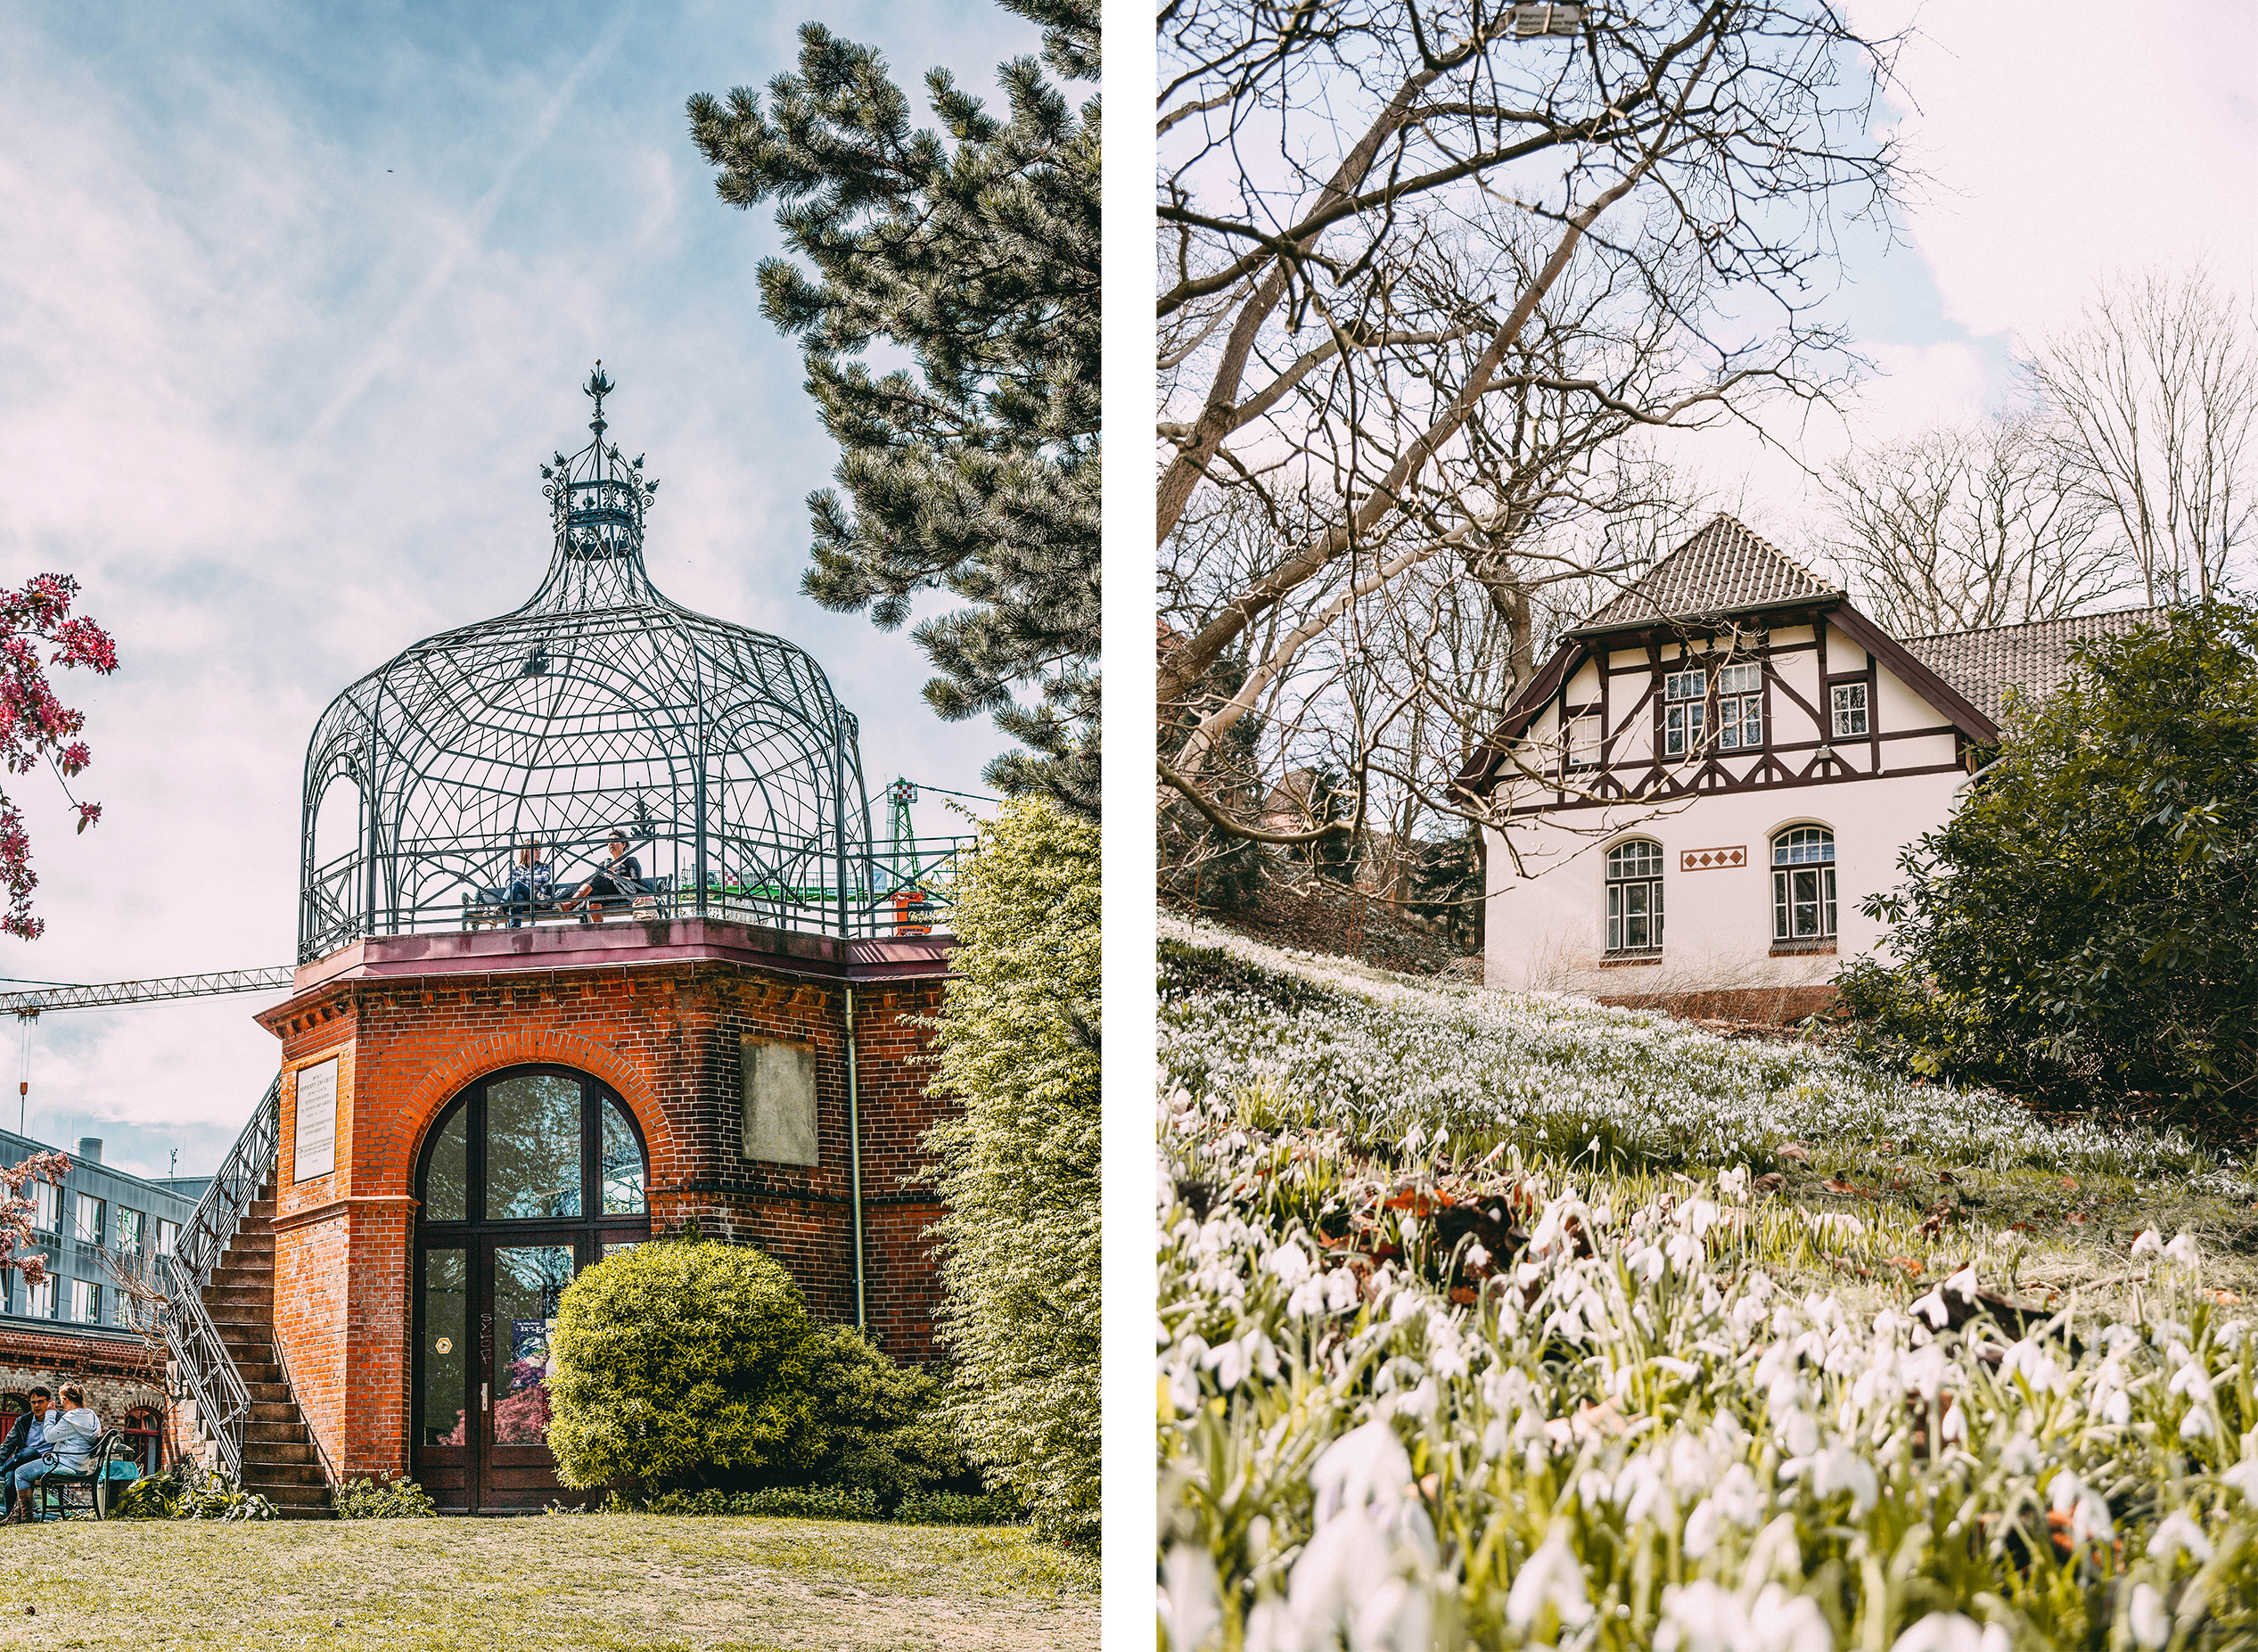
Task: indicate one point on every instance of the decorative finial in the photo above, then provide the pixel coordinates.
(597, 388)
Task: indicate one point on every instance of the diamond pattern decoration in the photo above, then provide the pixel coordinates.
(1711, 859)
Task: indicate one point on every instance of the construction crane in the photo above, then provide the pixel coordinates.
(37, 1001)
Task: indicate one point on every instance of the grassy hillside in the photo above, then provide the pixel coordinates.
(1515, 1320)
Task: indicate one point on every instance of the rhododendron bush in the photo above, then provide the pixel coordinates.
(1425, 1385)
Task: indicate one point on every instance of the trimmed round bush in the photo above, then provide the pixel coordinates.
(680, 1363)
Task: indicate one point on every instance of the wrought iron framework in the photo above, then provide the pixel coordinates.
(599, 706)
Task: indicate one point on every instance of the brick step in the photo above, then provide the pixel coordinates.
(276, 1454)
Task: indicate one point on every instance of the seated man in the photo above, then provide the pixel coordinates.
(29, 1438)
(528, 886)
(622, 879)
(71, 1434)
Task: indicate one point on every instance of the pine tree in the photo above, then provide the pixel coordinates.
(978, 473)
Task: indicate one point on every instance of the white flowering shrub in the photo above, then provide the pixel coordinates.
(1482, 1399)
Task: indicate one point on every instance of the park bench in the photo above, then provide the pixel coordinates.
(61, 1493)
(656, 900)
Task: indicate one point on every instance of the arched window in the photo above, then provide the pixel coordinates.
(1634, 897)
(1804, 883)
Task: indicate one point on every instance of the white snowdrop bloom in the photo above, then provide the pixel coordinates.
(1952, 1429)
(1685, 1252)
(2031, 1362)
(1551, 1577)
(2192, 1380)
(1366, 1466)
(1698, 1216)
(1798, 1432)
(1229, 1362)
(2148, 1242)
(1733, 1183)
(2198, 1424)
(1340, 1290)
(1702, 1617)
(2244, 1477)
(2176, 1532)
(2020, 1455)
(2151, 1623)
(1191, 1599)
(1963, 1283)
(1737, 1500)
(1648, 1262)
(1841, 1469)
(1307, 1300)
(1638, 1488)
(2064, 1490)
(1785, 1623)
(2183, 1251)
(1358, 1581)
(1289, 1263)
(1950, 1632)
(1927, 1371)
(1477, 1257)
(1932, 1308)
(1404, 1305)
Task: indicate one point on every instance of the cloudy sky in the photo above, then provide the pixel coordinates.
(294, 299)
(2062, 143)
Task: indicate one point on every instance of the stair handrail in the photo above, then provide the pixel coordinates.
(223, 1400)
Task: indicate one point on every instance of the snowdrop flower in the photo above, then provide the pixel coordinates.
(2191, 1380)
(1733, 1183)
(2035, 1365)
(2182, 1250)
(1648, 1262)
(1341, 1290)
(1191, 1599)
(2148, 1244)
(1949, 1631)
(1685, 1252)
(2151, 1623)
(1551, 1577)
(1737, 1501)
(2178, 1532)
(1289, 1263)
(1703, 1617)
(2244, 1477)
(1357, 1575)
(1953, 1428)
(1477, 1257)
(1366, 1466)
(1841, 1469)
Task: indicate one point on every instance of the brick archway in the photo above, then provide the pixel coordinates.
(532, 1046)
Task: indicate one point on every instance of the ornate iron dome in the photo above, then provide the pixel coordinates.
(599, 705)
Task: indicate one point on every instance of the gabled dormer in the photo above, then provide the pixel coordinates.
(1728, 667)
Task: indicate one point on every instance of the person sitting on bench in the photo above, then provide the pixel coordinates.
(621, 880)
(71, 1436)
(27, 1439)
(530, 884)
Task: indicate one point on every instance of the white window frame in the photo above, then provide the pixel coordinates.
(1803, 861)
(124, 1216)
(40, 1300)
(168, 1236)
(1634, 893)
(1853, 715)
(1583, 739)
(47, 1207)
(85, 1217)
(1685, 708)
(1740, 707)
(86, 1303)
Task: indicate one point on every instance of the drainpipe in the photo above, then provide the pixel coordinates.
(854, 1157)
(1960, 790)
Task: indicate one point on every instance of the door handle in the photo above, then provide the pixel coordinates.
(485, 1396)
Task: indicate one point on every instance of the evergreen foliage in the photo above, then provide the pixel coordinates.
(2086, 927)
(693, 1363)
(1019, 1047)
(979, 473)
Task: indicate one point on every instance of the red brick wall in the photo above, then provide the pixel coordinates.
(665, 1037)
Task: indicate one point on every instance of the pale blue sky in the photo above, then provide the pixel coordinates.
(294, 301)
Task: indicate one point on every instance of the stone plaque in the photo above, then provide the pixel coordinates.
(779, 1082)
(1712, 859)
(314, 1152)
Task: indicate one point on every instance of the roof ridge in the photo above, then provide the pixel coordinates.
(1727, 516)
(1720, 567)
(2025, 625)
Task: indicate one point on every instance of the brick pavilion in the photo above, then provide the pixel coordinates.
(487, 1084)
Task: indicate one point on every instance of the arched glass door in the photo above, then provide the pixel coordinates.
(531, 1175)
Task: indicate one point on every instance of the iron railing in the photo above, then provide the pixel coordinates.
(223, 1400)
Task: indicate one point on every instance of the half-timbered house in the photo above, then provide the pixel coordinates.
(1712, 772)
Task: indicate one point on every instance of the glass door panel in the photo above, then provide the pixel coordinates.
(527, 1280)
(533, 1147)
(444, 1403)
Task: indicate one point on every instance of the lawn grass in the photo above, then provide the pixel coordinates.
(607, 1581)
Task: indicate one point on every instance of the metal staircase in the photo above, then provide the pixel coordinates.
(219, 1313)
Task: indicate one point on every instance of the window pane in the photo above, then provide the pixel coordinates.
(1806, 902)
(1635, 925)
(86, 1219)
(1674, 731)
(622, 1171)
(527, 1280)
(128, 1229)
(1779, 906)
(1753, 721)
(1740, 680)
(533, 1147)
(444, 1404)
(446, 1179)
(1728, 725)
(167, 1236)
(1614, 917)
(1829, 875)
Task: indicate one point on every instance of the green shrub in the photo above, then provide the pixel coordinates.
(2086, 927)
(691, 1365)
(383, 1499)
(185, 1492)
(679, 1363)
(1019, 1047)
(958, 1508)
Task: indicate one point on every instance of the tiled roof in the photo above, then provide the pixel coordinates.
(2034, 658)
(1720, 571)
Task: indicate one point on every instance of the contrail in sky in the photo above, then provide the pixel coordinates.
(387, 348)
